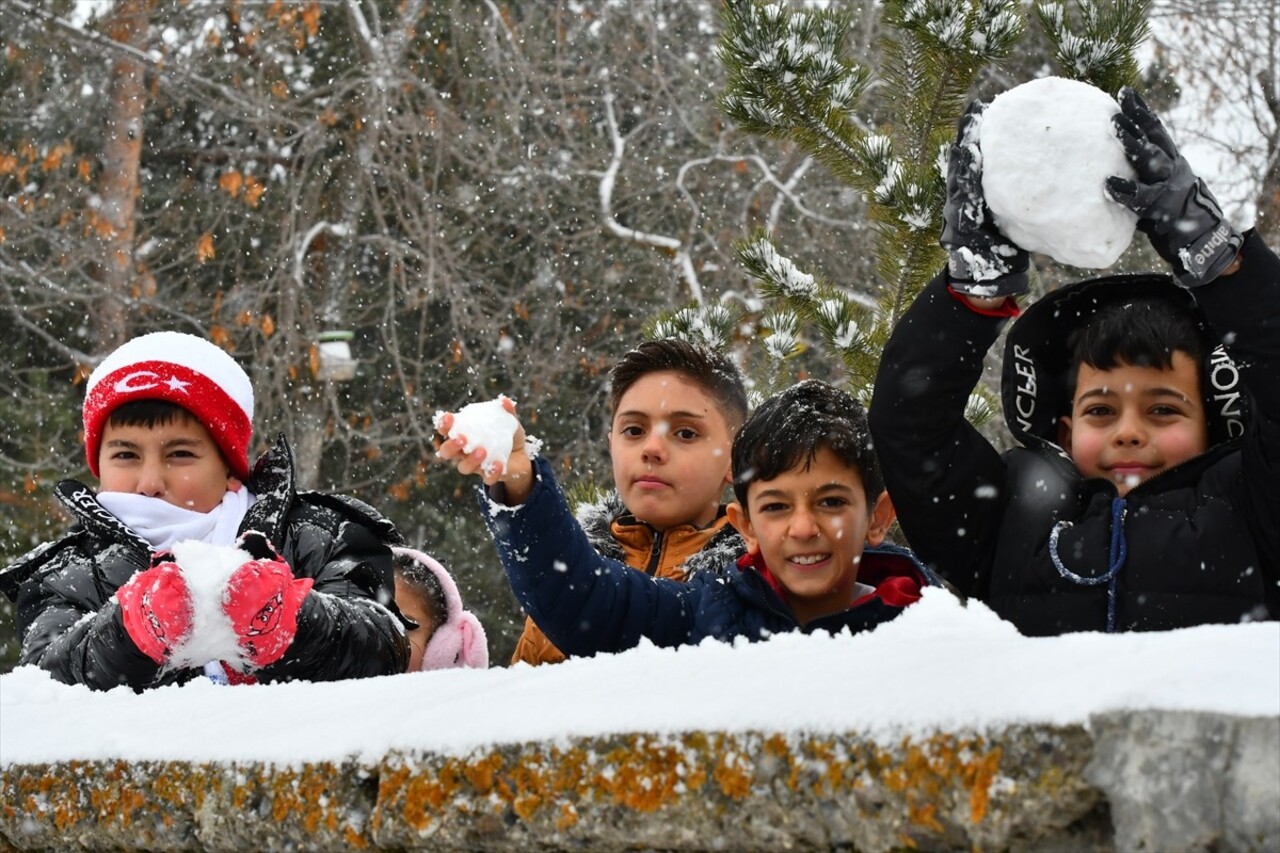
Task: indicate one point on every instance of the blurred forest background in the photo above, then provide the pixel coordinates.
(469, 196)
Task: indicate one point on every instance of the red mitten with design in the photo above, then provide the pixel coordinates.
(156, 606)
(262, 601)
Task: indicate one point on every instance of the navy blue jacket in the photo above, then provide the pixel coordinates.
(587, 603)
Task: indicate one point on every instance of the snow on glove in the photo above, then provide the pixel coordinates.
(156, 606)
(262, 600)
(1175, 209)
(981, 261)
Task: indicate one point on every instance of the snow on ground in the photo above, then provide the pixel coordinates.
(940, 666)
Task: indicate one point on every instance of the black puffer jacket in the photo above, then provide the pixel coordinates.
(348, 627)
(1048, 549)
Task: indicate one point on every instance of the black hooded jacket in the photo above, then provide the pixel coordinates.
(70, 623)
(1045, 547)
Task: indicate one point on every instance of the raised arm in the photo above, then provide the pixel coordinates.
(1235, 279)
(945, 479)
(584, 602)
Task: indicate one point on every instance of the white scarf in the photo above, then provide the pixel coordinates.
(162, 524)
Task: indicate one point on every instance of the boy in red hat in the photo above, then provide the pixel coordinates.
(187, 560)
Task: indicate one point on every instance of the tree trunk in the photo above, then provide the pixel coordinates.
(119, 186)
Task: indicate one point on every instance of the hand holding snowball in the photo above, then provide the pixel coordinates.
(1175, 209)
(487, 439)
(982, 261)
(155, 606)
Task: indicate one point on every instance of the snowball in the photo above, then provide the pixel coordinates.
(1048, 147)
(488, 425)
(206, 569)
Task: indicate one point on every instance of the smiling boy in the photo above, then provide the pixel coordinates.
(1143, 495)
(1137, 409)
(810, 505)
(167, 424)
(675, 408)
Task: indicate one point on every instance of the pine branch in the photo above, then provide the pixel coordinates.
(788, 80)
(1101, 50)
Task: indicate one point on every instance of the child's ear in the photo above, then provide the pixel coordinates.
(882, 516)
(1064, 433)
(233, 482)
(742, 523)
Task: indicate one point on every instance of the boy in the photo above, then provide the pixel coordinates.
(674, 409)
(167, 423)
(809, 502)
(1142, 498)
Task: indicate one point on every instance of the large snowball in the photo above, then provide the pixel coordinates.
(1048, 147)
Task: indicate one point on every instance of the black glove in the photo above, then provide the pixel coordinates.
(981, 260)
(1175, 209)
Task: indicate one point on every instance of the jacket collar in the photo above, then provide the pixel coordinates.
(82, 502)
(274, 483)
(896, 574)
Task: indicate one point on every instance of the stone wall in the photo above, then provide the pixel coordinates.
(1165, 781)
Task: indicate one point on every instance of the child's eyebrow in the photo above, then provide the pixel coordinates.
(636, 413)
(1108, 391)
(835, 486)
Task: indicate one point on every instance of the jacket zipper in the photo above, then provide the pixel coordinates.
(655, 553)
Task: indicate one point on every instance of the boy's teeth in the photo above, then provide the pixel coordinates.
(809, 559)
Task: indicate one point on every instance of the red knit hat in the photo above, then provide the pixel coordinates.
(182, 369)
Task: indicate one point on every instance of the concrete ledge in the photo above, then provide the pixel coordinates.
(1169, 781)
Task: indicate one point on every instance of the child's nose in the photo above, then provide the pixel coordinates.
(1129, 430)
(803, 525)
(151, 480)
(655, 444)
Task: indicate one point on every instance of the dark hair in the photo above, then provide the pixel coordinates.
(148, 413)
(714, 372)
(788, 430)
(1140, 333)
(424, 582)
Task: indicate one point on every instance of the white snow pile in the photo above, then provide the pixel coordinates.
(941, 666)
(1048, 147)
(207, 569)
(485, 425)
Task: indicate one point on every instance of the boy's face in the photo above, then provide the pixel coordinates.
(411, 604)
(810, 526)
(670, 448)
(177, 462)
(1130, 423)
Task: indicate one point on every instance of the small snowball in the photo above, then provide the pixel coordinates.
(1048, 147)
(488, 425)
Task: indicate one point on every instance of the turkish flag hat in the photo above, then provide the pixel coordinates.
(182, 369)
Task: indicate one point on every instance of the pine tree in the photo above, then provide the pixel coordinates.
(790, 78)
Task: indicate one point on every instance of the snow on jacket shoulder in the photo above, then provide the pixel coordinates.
(70, 624)
(587, 603)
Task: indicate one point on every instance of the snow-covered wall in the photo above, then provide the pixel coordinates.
(944, 729)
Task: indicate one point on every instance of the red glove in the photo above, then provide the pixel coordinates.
(262, 600)
(156, 606)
